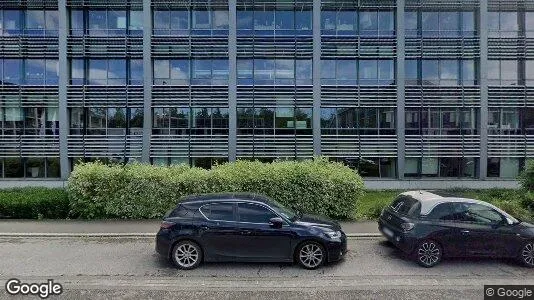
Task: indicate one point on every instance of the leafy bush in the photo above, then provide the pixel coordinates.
(526, 179)
(34, 203)
(143, 191)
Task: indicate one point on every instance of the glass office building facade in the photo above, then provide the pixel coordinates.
(401, 89)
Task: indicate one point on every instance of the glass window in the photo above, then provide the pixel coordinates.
(162, 20)
(411, 71)
(245, 21)
(430, 72)
(218, 211)
(35, 71)
(468, 23)
(12, 71)
(136, 22)
(201, 19)
(52, 72)
(76, 22)
(347, 21)
(284, 20)
(449, 24)
(97, 22)
(482, 214)
(303, 20)
(136, 71)
(245, 71)
(368, 22)
(285, 117)
(430, 23)
(264, 20)
(386, 23)
(12, 22)
(254, 213)
(503, 72)
(529, 24)
(411, 23)
(303, 69)
(443, 211)
(220, 19)
(449, 72)
(346, 71)
(34, 21)
(368, 71)
(179, 21)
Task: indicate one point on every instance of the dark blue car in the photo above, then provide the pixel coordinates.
(246, 228)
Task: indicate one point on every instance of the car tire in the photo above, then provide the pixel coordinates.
(186, 255)
(428, 253)
(310, 255)
(526, 255)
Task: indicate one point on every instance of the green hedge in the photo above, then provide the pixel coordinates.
(140, 191)
(34, 203)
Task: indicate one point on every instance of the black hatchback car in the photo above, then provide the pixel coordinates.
(246, 228)
(429, 227)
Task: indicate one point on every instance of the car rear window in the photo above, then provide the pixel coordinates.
(406, 206)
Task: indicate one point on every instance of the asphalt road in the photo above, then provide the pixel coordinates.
(130, 269)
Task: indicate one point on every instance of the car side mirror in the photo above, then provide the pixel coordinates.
(276, 222)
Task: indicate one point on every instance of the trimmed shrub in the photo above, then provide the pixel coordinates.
(34, 203)
(526, 178)
(140, 191)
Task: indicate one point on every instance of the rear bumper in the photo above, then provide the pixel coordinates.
(163, 244)
(400, 239)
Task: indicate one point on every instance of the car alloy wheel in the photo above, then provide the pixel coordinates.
(527, 254)
(187, 255)
(428, 254)
(311, 255)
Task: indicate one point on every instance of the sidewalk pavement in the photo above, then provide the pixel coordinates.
(125, 228)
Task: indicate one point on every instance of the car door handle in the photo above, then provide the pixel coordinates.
(246, 232)
(465, 231)
(204, 227)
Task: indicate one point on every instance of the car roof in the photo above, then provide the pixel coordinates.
(222, 197)
(430, 200)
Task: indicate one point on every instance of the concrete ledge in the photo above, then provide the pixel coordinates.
(436, 184)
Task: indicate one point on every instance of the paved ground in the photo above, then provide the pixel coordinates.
(123, 226)
(129, 268)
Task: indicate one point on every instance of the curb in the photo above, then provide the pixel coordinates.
(126, 235)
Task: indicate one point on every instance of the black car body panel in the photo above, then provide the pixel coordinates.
(232, 241)
(457, 238)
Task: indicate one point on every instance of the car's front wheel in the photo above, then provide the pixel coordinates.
(527, 254)
(428, 253)
(186, 255)
(311, 255)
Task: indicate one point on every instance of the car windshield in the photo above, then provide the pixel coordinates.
(284, 211)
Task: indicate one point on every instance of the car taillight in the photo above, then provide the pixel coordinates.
(166, 224)
(407, 226)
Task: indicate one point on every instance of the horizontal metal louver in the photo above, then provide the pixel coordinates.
(511, 145)
(28, 96)
(359, 145)
(358, 47)
(105, 145)
(442, 4)
(193, 46)
(274, 95)
(138, 4)
(29, 146)
(90, 46)
(28, 47)
(442, 96)
(350, 96)
(189, 145)
(427, 47)
(274, 146)
(442, 145)
(275, 47)
(48, 4)
(196, 95)
(104, 96)
(178, 4)
(349, 4)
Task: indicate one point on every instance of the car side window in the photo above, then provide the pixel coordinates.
(483, 214)
(218, 211)
(254, 213)
(443, 211)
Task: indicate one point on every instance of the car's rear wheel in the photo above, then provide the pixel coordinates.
(428, 253)
(186, 255)
(527, 254)
(311, 255)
